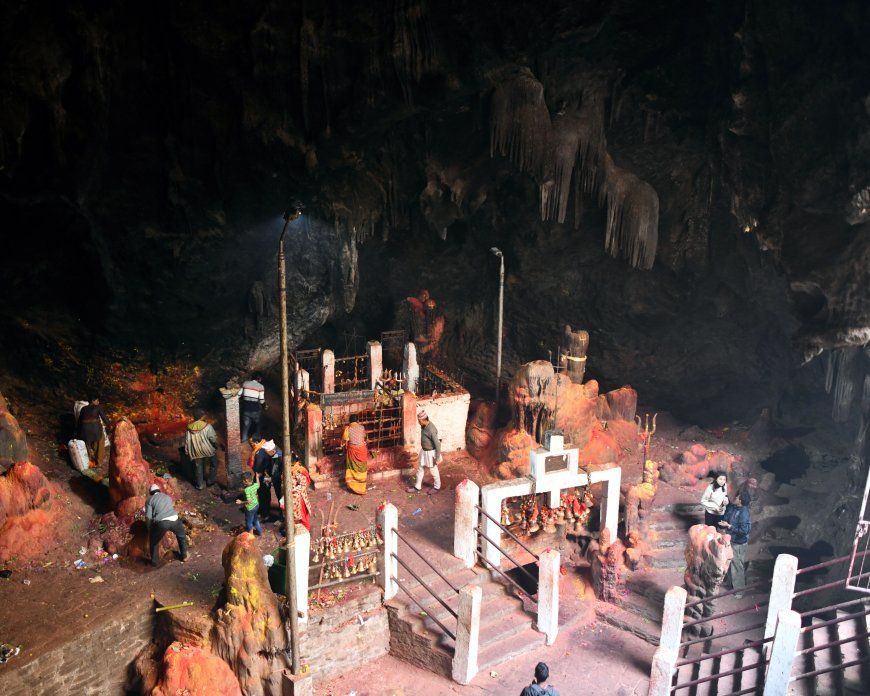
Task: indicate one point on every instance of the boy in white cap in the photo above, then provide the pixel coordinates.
(161, 518)
(430, 455)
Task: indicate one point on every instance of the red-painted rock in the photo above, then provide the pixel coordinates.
(480, 429)
(13, 441)
(129, 473)
(249, 631)
(601, 450)
(191, 670)
(28, 517)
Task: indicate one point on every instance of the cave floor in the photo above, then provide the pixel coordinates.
(48, 602)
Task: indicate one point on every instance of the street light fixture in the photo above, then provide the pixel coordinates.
(498, 253)
(292, 213)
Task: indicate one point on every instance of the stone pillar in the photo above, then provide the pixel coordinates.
(297, 684)
(301, 555)
(303, 381)
(665, 658)
(313, 437)
(788, 630)
(548, 594)
(234, 448)
(467, 634)
(575, 357)
(781, 591)
(464, 521)
(376, 362)
(410, 426)
(328, 364)
(609, 507)
(388, 520)
(410, 368)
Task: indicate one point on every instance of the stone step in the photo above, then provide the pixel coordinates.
(667, 560)
(644, 628)
(668, 538)
(504, 649)
(652, 583)
(492, 610)
(685, 674)
(728, 684)
(856, 679)
(707, 669)
(678, 508)
(802, 664)
(753, 666)
(824, 658)
(644, 607)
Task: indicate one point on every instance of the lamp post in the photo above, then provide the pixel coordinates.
(498, 253)
(286, 474)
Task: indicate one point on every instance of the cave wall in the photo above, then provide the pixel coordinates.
(152, 149)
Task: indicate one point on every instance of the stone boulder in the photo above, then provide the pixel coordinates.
(28, 515)
(13, 441)
(189, 669)
(249, 632)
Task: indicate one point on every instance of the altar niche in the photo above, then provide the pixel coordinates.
(555, 488)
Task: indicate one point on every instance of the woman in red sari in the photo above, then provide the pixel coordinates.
(300, 481)
(357, 456)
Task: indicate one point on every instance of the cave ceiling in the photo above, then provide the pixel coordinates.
(688, 181)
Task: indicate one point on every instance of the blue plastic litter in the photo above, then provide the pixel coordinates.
(417, 511)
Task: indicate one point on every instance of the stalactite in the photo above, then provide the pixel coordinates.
(845, 382)
(566, 144)
(520, 122)
(414, 52)
(632, 216)
(308, 51)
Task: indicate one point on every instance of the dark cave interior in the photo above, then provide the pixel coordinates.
(147, 152)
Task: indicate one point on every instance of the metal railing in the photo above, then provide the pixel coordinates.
(483, 558)
(684, 645)
(426, 586)
(352, 373)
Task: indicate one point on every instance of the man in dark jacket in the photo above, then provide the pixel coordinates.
(161, 518)
(253, 398)
(738, 523)
(267, 460)
(539, 686)
(91, 429)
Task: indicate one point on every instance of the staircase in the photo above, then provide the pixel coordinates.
(639, 609)
(813, 656)
(505, 626)
(749, 667)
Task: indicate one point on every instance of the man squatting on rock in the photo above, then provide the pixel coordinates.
(161, 517)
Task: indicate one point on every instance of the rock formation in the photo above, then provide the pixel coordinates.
(708, 555)
(28, 513)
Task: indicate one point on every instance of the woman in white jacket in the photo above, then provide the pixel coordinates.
(715, 499)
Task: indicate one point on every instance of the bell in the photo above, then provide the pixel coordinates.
(316, 557)
(347, 571)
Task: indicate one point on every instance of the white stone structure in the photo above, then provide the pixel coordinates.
(467, 634)
(493, 495)
(449, 413)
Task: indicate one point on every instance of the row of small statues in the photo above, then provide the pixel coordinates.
(330, 547)
(574, 512)
(365, 564)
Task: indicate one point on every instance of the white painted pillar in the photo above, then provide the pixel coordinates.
(301, 555)
(388, 520)
(609, 509)
(376, 362)
(548, 594)
(410, 368)
(303, 381)
(781, 591)
(665, 658)
(464, 521)
(467, 634)
(788, 630)
(327, 361)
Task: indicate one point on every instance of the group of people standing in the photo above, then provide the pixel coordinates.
(731, 517)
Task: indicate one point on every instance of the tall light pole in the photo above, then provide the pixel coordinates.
(498, 253)
(286, 474)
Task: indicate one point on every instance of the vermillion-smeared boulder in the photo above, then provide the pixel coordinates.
(190, 670)
(249, 632)
(13, 441)
(708, 555)
(28, 517)
(129, 474)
